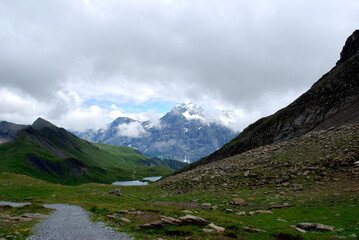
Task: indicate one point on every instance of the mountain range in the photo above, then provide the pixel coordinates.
(44, 151)
(187, 133)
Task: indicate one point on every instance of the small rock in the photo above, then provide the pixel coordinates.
(238, 201)
(300, 230)
(207, 230)
(214, 207)
(229, 210)
(285, 184)
(259, 211)
(281, 220)
(241, 213)
(217, 228)
(252, 229)
(187, 211)
(206, 204)
(353, 235)
(125, 219)
(279, 206)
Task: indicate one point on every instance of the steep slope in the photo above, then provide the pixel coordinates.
(185, 133)
(47, 152)
(330, 102)
(299, 164)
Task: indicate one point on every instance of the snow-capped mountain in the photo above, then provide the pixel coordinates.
(186, 133)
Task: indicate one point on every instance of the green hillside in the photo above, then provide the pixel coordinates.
(50, 153)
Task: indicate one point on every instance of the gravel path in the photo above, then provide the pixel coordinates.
(72, 222)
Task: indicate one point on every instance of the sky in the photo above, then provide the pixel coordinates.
(82, 63)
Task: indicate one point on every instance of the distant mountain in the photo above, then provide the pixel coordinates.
(8, 131)
(331, 102)
(186, 133)
(47, 152)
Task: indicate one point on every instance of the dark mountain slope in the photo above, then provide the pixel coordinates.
(50, 153)
(330, 102)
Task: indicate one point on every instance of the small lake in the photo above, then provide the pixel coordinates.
(137, 182)
(153, 179)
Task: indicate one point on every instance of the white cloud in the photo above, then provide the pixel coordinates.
(153, 117)
(20, 108)
(83, 118)
(133, 130)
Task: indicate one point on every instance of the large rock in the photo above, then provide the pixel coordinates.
(315, 227)
(116, 192)
(190, 219)
(167, 221)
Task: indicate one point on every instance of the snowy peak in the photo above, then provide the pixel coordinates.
(185, 133)
(190, 111)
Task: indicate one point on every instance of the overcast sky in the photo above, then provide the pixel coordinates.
(82, 63)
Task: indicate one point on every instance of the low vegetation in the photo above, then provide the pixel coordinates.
(47, 152)
(331, 204)
(296, 184)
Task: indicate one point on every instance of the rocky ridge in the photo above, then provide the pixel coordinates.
(331, 102)
(317, 157)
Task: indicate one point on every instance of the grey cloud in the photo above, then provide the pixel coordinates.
(233, 51)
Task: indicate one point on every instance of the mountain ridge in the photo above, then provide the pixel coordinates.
(47, 152)
(331, 102)
(185, 133)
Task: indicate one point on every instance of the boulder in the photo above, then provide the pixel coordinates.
(168, 221)
(315, 227)
(116, 192)
(190, 219)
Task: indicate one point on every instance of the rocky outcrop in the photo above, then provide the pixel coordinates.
(331, 102)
